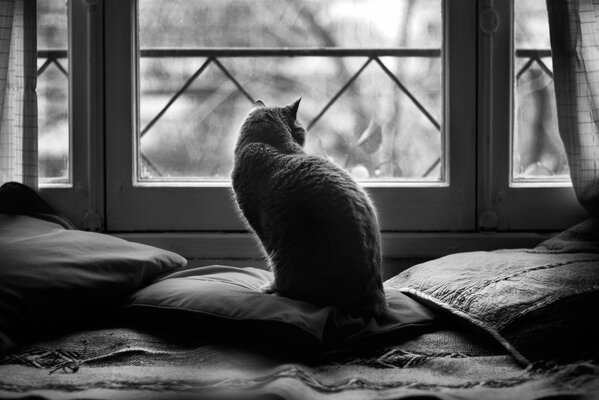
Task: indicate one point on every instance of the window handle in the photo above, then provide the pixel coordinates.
(488, 21)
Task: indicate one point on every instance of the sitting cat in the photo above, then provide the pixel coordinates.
(318, 228)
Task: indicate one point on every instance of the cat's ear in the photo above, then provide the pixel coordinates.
(259, 103)
(292, 108)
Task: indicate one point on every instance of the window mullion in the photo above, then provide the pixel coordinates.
(82, 200)
(494, 116)
(501, 205)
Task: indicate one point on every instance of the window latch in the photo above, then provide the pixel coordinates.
(488, 21)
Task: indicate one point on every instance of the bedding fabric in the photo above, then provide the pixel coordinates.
(52, 277)
(539, 303)
(226, 302)
(122, 363)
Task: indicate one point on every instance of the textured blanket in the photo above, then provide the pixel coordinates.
(127, 364)
(538, 303)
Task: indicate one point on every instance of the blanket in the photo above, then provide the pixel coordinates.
(125, 363)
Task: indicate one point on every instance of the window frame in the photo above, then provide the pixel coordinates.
(209, 207)
(102, 196)
(81, 200)
(504, 205)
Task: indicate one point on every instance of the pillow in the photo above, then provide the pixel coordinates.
(18, 199)
(581, 238)
(539, 304)
(51, 277)
(225, 303)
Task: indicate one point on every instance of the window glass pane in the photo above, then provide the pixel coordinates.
(374, 108)
(52, 91)
(538, 153)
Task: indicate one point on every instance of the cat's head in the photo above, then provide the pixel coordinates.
(277, 126)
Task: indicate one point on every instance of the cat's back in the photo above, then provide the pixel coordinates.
(319, 183)
(311, 198)
(297, 179)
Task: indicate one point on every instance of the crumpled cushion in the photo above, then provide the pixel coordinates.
(226, 303)
(50, 277)
(581, 238)
(538, 303)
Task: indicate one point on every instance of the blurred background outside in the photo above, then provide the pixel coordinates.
(53, 92)
(385, 124)
(196, 136)
(537, 151)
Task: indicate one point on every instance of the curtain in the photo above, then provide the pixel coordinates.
(18, 103)
(574, 31)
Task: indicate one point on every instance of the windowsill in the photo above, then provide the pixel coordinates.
(405, 245)
(55, 185)
(207, 183)
(391, 267)
(400, 250)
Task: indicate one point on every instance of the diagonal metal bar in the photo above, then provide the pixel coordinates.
(179, 92)
(533, 57)
(232, 79)
(418, 105)
(524, 68)
(60, 67)
(544, 67)
(45, 65)
(338, 94)
(432, 167)
(151, 164)
(409, 94)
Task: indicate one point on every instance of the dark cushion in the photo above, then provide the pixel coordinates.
(18, 199)
(225, 302)
(539, 303)
(51, 276)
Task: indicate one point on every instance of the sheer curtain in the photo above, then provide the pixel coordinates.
(18, 103)
(574, 30)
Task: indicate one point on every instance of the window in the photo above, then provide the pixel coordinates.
(349, 88)
(522, 181)
(538, 154)
(70, 139)
(373, 94)
(422, 101)
(53, 93)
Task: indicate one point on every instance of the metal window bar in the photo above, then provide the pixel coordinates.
(534, 56)
(212, 55)
(51, 57)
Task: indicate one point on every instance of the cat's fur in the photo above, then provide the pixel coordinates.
(317, 226)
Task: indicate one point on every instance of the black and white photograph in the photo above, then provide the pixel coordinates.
(299, 199)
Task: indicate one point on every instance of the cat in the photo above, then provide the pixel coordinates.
(318, 228)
